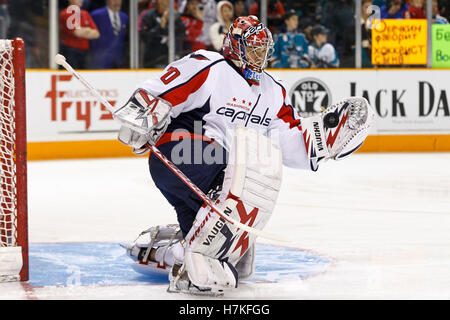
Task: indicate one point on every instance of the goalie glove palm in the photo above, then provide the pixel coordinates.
(144, 120)
(137, 140)
(338, 131)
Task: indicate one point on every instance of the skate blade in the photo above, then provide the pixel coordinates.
(196, 292)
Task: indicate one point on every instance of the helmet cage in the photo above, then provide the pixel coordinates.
(253, 48)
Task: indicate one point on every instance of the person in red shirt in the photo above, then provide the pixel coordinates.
(275, 13)
(77, 28)
(193, 24)
(239, 8)
(415, 10)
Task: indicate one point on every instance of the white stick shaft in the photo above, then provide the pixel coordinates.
(69, 68)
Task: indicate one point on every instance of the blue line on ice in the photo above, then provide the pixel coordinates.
(105, 263)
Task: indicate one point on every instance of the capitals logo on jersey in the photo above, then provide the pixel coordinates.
(243, 110)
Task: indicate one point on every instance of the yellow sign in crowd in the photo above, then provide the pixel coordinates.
(404, 42)
(399, 42)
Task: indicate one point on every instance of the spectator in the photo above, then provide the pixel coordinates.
(290, 47)
(154, 35)
(218, 30)
(442, 9)
(275, 13)
(319, 10)
(24, 17)
(108, 50)
(338, 18)
(209, 18)
(366, 35)
(394, 9)
(240, 9)
(86, 5)
(305, 26)
(320, 53)
(150, 4)
(415, 10)
(379, 3)
(437, 18)
(193, 24)
(141, 16)
(75, 39)
(4, 19)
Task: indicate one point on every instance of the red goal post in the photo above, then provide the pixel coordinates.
(13, 163)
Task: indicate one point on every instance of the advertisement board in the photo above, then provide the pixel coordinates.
(407, 102)
(60, 108)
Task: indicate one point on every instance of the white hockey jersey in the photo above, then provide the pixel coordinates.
(205, 86)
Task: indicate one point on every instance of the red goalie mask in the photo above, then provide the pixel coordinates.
(250, 42)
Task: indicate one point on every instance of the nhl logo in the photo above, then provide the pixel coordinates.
(308, 95)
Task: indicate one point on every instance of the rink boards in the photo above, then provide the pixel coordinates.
(412, 106)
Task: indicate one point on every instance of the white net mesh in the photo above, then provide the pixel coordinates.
(8, 191)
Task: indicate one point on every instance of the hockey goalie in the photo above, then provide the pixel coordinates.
(229, 126)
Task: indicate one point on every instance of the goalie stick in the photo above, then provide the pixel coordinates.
(61, 60)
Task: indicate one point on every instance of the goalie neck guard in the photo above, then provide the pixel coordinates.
(250, 43)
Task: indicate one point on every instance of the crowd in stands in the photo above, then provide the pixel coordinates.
(306, 33)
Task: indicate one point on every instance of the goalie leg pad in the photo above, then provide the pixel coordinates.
(246, 266)
(251, 187)
(209, 272)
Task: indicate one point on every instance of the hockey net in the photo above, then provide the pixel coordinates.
(13, 189)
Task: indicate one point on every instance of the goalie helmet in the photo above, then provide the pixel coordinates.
(250, 43)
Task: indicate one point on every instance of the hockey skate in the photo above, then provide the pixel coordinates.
(159, 251)
(180, 283)
(156, 249)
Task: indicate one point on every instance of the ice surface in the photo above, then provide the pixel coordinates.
(383, 220)
(107, 264)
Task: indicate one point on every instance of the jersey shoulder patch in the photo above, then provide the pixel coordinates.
(275, 82)
(194, 62)
(205, 55)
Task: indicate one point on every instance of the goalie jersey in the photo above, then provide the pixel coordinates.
(206, 87)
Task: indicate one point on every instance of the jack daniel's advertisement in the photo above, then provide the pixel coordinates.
(405, 102)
